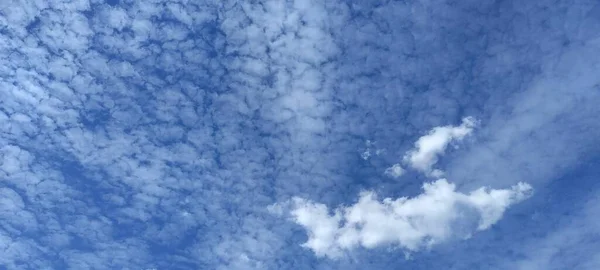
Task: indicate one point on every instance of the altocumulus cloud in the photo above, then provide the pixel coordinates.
(156, 134)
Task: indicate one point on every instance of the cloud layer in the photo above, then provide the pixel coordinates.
(154, 134)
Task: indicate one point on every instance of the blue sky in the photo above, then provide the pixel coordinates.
(299, 134)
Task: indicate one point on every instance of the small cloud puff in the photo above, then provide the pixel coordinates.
(429, 147)
(394, 171)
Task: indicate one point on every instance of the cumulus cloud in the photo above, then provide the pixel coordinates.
(429, 147)
(438, 214)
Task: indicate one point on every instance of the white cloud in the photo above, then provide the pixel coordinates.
(95, 93)
(439, 214)
(395, 171)
(429, 147)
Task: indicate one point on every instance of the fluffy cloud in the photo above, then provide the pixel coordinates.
(429, 147)
(438, 214)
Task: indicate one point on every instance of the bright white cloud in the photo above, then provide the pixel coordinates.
(429, 147)
(439, 214)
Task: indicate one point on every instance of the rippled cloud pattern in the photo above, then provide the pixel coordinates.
(299, 134)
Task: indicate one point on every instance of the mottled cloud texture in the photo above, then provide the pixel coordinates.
(157, 134)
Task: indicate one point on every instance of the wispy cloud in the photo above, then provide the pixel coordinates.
(395, 171)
